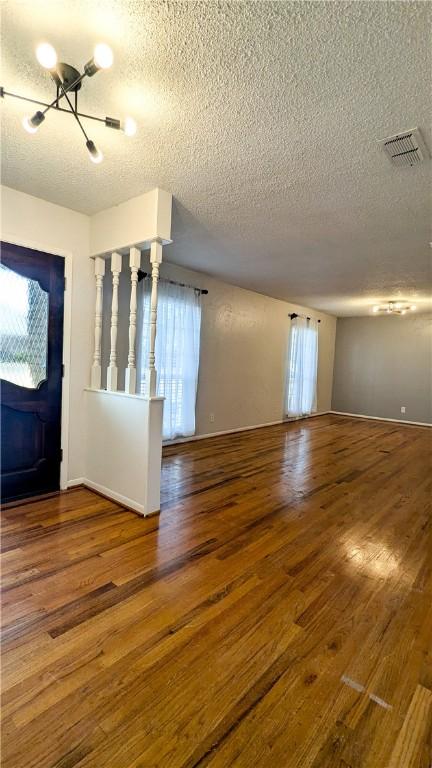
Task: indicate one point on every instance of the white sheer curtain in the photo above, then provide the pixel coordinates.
(177, 353)
(302, 367)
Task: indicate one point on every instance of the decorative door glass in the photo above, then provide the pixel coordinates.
(23, 330)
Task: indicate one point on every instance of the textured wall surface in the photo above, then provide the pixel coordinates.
(383, 363)
(244, 338)
(260, 117)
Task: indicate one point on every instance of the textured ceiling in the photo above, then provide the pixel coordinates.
(261, 118)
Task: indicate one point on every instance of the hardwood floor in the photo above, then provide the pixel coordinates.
(278, 612)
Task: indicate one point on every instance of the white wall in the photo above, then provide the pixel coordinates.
(30, 221)
(123, 461)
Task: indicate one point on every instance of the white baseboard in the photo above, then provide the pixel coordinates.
(74, 482)
(382, 418)
(240, 429)
(118, 497)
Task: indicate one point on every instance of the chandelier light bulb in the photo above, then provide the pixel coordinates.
(129, 126)
(413, 307)
(95, 155)
(103, 56)
(375, 309)
(31, 124)
(26, 123)
(46, 55)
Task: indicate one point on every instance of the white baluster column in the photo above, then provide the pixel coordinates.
(130, 373)
(112, 371)
(156, 259)
(96, 370)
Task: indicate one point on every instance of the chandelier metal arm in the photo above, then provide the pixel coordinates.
(108, 121)
(64, 92)
(70, 87)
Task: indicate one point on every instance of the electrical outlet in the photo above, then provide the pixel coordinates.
(403, 409)
(212, 417)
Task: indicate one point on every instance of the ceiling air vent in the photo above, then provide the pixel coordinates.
(407, 148)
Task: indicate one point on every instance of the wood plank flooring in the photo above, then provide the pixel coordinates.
(277, 613)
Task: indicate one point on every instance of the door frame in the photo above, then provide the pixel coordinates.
(8, 237)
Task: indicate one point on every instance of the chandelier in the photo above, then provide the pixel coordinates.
(68, 82)
(394, 308)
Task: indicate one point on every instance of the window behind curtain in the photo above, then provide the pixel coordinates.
(177, 354)
(302, 367)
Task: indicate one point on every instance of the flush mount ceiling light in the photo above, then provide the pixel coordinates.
(68, 80)
(394, 308)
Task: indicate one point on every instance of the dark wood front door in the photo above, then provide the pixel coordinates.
(31, 338)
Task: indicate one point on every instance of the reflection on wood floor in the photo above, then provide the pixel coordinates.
(278, 612)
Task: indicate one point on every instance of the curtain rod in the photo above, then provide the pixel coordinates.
(142, 275)
(294, 314)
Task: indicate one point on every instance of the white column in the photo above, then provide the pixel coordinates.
(156, 259)
(130, 373)
(116, 265)
(96, 371)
